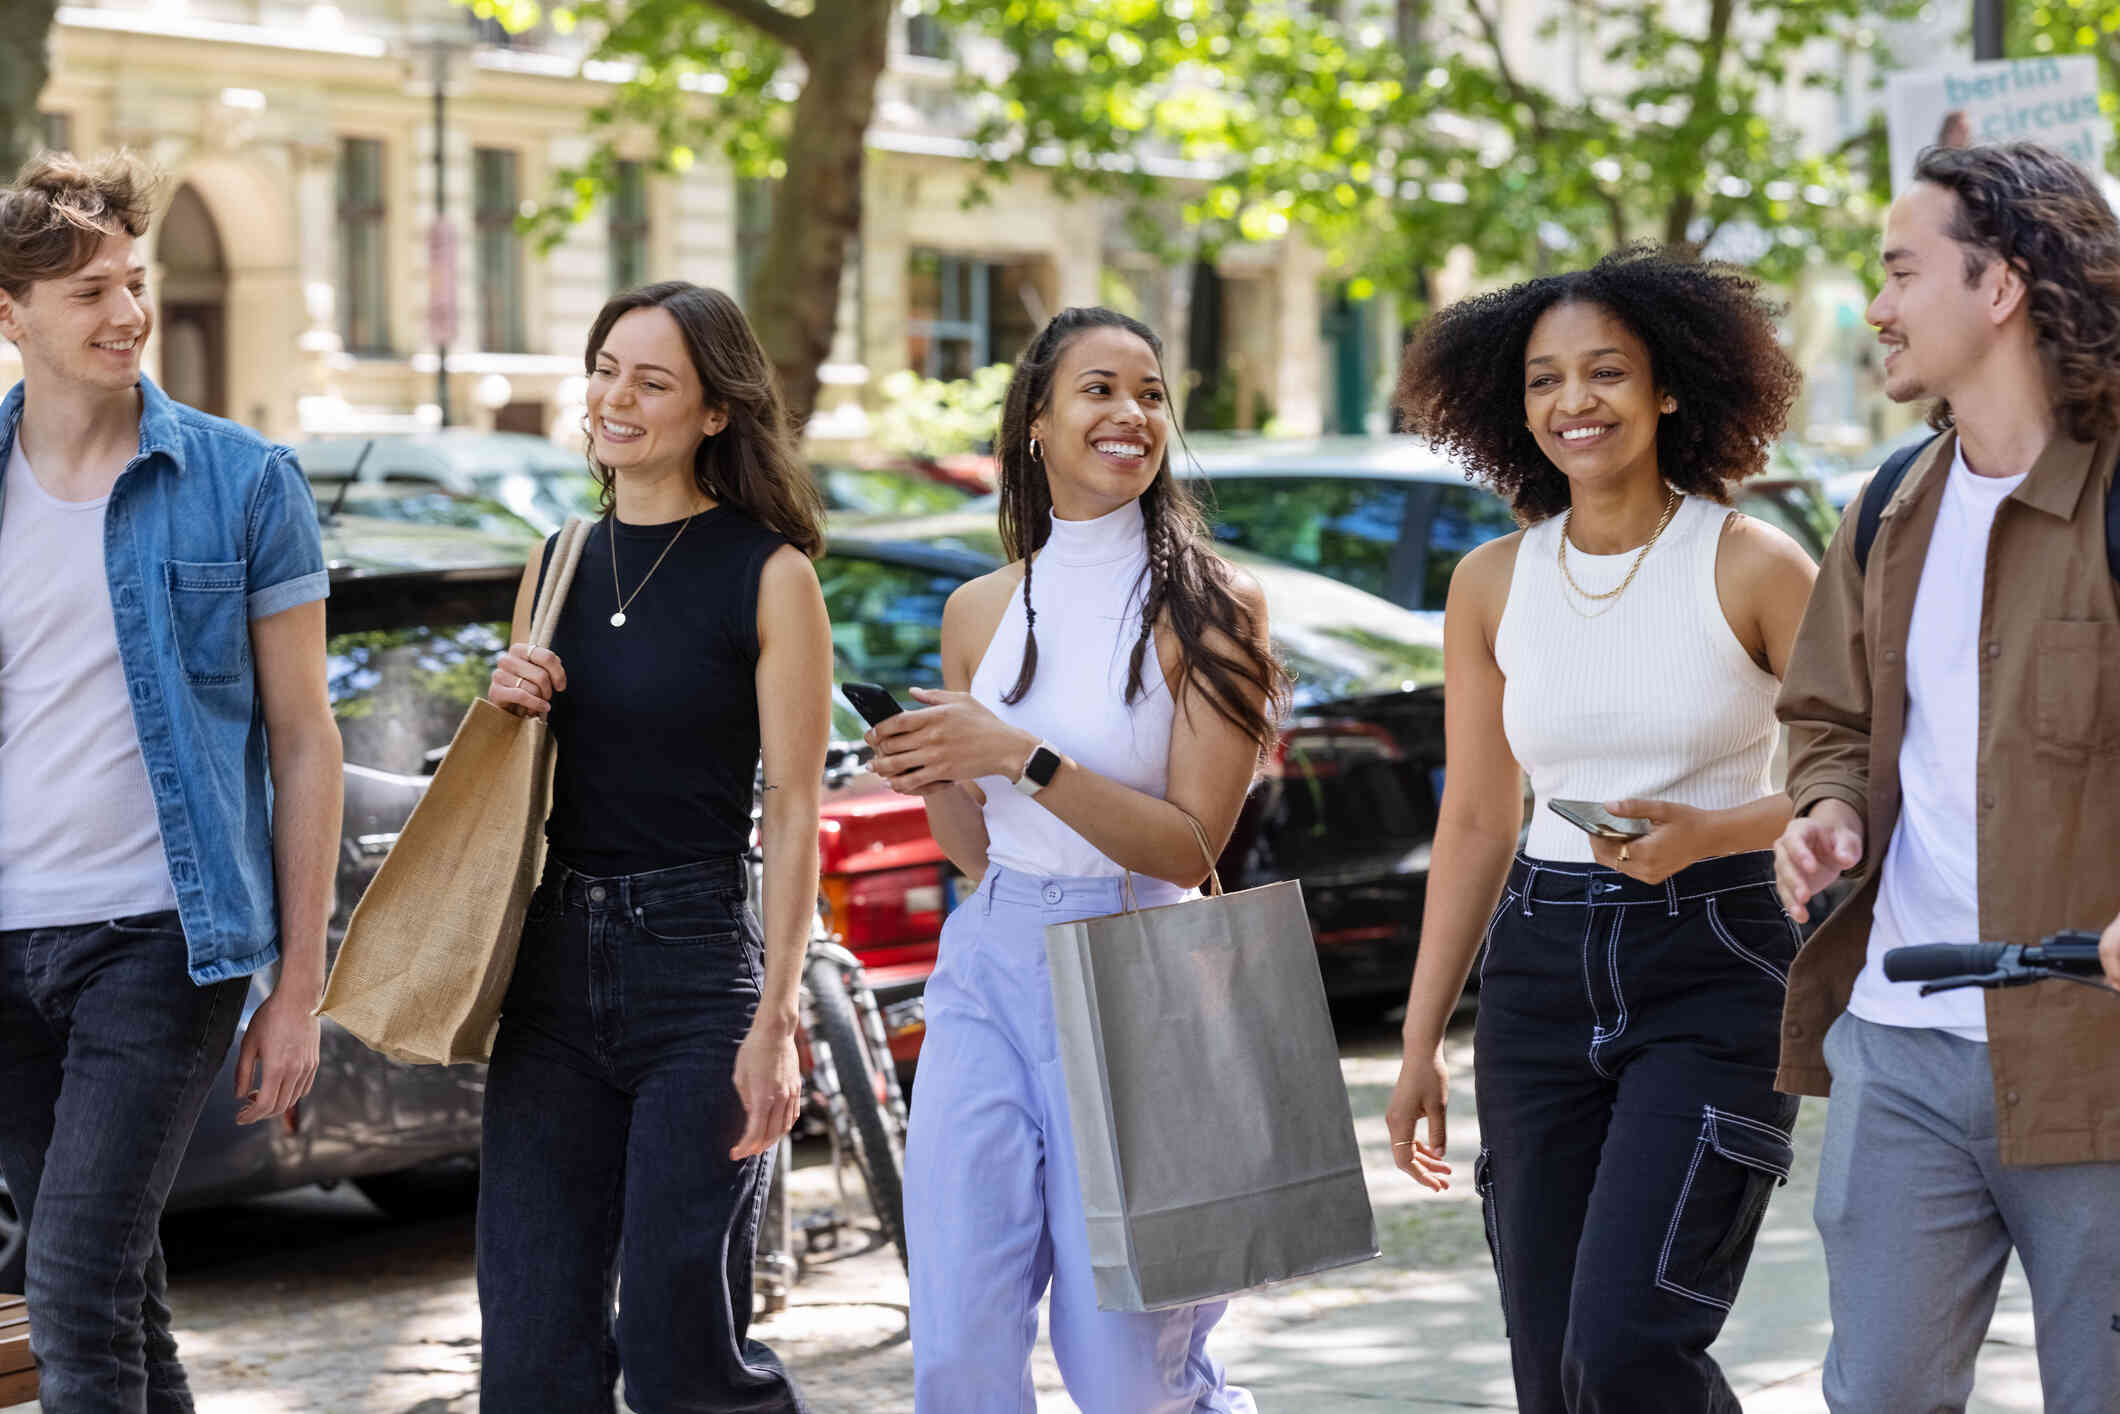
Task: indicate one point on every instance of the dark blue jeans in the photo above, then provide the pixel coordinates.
(1631, 1132)
(611, 1108)
(106, 1053)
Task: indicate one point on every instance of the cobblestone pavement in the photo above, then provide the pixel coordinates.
(314, 1303)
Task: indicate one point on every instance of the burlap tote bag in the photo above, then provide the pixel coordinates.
(1214, 1142)
(431, 945)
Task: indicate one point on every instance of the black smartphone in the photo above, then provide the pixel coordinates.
(1592, 818)
(873, 703)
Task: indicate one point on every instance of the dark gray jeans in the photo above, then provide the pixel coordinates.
(1919, 1213)
(106, 1052)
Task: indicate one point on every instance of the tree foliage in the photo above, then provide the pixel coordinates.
(1395, 135)
(1391, 132)
(2058, 27)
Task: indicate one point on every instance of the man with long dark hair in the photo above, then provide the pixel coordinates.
(1954, 704)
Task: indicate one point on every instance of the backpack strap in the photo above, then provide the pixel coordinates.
(1878, 494)
(2112, 526)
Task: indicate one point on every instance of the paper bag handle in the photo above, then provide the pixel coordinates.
(1214, 875)
(559, 578)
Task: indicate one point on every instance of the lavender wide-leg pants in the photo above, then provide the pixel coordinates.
(993, 1210)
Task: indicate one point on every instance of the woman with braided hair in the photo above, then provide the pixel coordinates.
(1110, 681)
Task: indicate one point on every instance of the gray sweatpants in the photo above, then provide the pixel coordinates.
(1919, 1214)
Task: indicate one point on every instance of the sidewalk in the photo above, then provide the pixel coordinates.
(1416, 1330)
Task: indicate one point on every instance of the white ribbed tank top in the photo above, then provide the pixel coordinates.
(1654, 698)
(1087, 584)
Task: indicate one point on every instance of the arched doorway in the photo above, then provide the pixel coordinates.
(194, 314)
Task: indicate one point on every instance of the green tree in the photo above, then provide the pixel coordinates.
(1434, 135)
(25, 65)
(1390, 131)
(2041, 27)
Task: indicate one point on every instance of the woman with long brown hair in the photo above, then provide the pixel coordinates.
(645, 1064)
(1110, 681)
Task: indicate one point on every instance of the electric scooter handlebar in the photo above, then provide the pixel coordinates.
(1947, 965)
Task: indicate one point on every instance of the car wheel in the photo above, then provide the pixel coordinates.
(12, 1245)
(441, 1190)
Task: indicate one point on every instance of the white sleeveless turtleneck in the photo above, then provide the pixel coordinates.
(1087, 584)
(1653, 698)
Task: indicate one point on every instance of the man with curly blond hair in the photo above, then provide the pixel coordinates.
(169, 780)
(1954, 709)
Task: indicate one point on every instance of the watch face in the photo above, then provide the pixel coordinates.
(1042, 766)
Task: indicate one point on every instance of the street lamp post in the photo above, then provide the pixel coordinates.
(441, 225)
(1988, 16)
(442, 303)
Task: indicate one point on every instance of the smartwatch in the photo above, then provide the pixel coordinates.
(1039, 770)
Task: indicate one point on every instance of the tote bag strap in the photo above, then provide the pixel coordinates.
(1214, 875)
(559, 577)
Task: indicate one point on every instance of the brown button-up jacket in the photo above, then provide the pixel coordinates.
(2048, 782)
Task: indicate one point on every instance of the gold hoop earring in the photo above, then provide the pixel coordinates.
(1037, 452)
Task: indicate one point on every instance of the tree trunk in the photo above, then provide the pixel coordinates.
(1702, 113)
(25, 64)
(817, 213)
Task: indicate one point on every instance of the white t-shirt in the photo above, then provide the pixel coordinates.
(1930, 892)
(78, 837)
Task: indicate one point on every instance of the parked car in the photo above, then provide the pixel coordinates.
(1392, 516)
(543, 483)
(416, 613)
(1347, 803)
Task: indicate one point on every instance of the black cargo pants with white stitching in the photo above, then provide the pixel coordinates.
(1631, 1133)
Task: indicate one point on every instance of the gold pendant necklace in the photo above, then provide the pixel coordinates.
(618, 620)
(1671, 504)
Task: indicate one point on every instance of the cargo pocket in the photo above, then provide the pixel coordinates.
(1483, 1184)
(207, 612)
(1737, 1165)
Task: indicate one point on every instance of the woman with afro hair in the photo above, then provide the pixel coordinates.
(1624, 649)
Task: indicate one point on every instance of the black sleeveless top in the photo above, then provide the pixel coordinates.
(658, 728)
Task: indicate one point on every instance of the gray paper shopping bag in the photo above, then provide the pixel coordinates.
(1213, 1137)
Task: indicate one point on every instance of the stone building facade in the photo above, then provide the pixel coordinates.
(306, 284)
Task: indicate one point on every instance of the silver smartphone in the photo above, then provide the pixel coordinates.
(1592, 818)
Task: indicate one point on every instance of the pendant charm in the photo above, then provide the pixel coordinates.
(618, 620)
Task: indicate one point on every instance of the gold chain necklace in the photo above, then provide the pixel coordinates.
(618, 620)
(1560, 553)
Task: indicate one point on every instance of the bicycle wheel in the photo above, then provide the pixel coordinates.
(878, 1157)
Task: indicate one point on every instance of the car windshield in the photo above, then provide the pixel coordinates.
(883, 491)
(422, 503)
(886, 611)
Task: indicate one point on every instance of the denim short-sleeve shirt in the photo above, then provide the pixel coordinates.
(208, 528)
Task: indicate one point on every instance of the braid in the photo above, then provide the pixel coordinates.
(1019, 494)
(1159, 573)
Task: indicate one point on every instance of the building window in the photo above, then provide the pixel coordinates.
(497, 200)
(364, 292)
(925, 38)
(56, 131)
(964, 313)
(627, 235)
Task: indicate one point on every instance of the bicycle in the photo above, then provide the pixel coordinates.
(2068, 956)
(849, 1077)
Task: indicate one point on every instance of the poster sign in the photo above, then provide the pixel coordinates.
(441, 284)
(2050, 101)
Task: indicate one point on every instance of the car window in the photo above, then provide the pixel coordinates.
(883, 492)
(1465, 518)
(886, 619)
(399, 693)
(1340, 526)
(419, 503)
